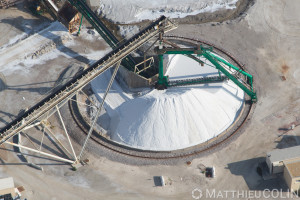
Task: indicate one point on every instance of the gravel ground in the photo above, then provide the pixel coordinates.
(264, 39)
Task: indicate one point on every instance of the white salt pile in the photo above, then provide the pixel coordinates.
(138, 10)
(175, 118)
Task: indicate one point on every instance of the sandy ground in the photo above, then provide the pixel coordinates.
(266, 40)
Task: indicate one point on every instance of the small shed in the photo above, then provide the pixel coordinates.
(292, 175)
(7, 188)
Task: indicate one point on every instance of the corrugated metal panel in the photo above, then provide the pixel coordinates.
(278, 155)
(6, 183)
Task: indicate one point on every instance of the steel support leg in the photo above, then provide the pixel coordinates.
(66, 132)
(99, 109)
(40, 152)
(161, 69)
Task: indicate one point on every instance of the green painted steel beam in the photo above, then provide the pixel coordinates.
(100, 27)
(215, 79)
(78, 33)
(233, 67)
(229, 64)
(230, 76)
(206, 52)
(187, 52)
(161, 68)
(162, 80)
(94, 22)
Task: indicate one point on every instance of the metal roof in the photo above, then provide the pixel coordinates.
(278, 155)
(7, 183)
(293, 168)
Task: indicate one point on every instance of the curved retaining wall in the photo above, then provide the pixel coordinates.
(218, 142)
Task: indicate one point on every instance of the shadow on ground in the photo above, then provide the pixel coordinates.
(288, 141)
(248, 170)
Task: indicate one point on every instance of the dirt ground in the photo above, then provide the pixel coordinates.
(266, 39)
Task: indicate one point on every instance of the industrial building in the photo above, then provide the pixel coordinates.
(291, 174)
(276, 158)
(7, 189)
(286, 161)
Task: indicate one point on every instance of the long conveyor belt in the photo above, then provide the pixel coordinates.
(81, 80)
(101, 28)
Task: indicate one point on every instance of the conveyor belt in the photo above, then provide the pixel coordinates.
(81, 80)
(100, 27)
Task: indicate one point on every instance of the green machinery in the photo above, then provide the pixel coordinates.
(246, 86)
(101, 28)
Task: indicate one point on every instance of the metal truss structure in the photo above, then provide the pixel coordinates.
(40, 113)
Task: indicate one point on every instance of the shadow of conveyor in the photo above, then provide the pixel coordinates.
(288, 141)
(27, 26)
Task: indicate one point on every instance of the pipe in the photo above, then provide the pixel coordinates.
(53, 5)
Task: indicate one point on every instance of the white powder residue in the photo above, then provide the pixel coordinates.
(138, 10)
(175, 118)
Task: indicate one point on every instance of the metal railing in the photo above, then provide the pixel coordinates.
(81, 80)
